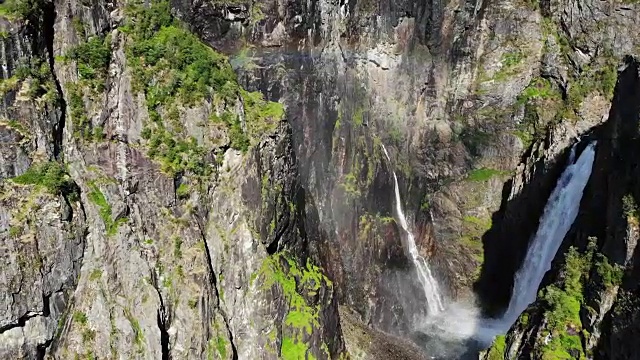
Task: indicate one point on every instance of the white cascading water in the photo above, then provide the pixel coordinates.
(559, 214)
(463, 321)
(428, 282)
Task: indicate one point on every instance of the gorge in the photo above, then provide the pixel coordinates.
(286, 179)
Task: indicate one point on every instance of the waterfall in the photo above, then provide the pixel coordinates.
(427, 281)
(559, 214)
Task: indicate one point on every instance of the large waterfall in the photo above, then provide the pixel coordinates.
(448, 329)
(559, 214)
(427, 281)
(463, 321)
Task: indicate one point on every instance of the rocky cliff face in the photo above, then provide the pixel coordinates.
(464, 94)
(151, 208)
(167, 203)
(586, 307)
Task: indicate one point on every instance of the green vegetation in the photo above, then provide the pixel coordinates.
(51, 176)
(358, 117)
(509, 62)
(78, 27)
(496, 351)
(37, 69)
(82, 127)
(192, 303)
(80, 317)
(176, 155)
(97, 197)
(87, 334)
(15, 231)
(295, 350)
(41, 85)
(602, 79)
(183, 191)
(473, 228)
(477, 222)
(95, 274)
(562, 304)
(546, 102)
(135, 325)
(177, 247)
(539, 89)
(611, 274)
(350, 186)
(22, 9)
(297, 285)
(93, 58)
(173, 68)
(17, 126)
(599, 76)
(237, 137)
(630, 209)
(483, 174)
(10, 84)
(221, 346)
(426, 203)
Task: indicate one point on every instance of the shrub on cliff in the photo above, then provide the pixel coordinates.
(51, 176)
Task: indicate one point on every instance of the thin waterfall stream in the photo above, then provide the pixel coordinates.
(425, 277)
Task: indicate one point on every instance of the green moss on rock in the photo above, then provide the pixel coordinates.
(496, 351)
(97, 197)
(298, 285)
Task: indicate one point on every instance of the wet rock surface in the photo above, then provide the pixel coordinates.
(195, 222)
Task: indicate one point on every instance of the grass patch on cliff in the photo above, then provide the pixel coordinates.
(509, 62)
(599, 76)
(137, 330)
(221, 347)
(299, 286)
(293, 349)
(52, 176)
(97, 197)
(496, 351)
(539, 89)
(483, 174)
(80, 317)
(174, 70)
(42, 87)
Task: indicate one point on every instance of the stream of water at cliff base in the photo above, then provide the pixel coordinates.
(459, 331)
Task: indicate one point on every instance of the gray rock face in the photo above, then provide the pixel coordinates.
(145, 264)
(457, 91)
(206, 228)
(43, 239)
